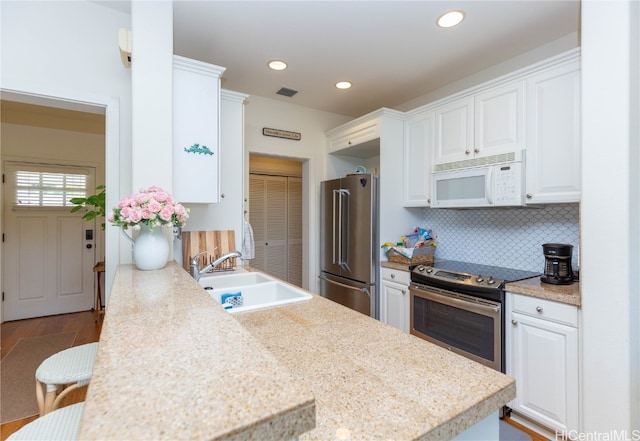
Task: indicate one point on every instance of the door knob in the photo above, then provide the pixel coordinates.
(89, 246)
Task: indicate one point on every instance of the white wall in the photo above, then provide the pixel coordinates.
(311, 149)
(152, 94)
(609, 221)
(70, 50)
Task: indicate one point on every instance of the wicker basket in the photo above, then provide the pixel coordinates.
(420, 255)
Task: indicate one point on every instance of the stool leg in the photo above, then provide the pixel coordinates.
(40, 397)
(49, 400)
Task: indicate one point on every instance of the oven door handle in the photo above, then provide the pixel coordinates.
(473, 304)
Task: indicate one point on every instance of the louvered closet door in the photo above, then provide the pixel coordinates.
(268, 217)
(294, 230)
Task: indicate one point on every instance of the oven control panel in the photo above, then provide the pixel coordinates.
(425, 274)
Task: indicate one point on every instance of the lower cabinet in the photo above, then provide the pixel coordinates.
(542, 356)
(394, 298)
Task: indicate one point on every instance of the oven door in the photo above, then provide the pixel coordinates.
(467, 325)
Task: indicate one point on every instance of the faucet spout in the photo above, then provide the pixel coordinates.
(196, 272)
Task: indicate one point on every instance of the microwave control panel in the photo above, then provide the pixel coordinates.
(508, 184)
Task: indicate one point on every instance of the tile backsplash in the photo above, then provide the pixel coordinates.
(510, 238)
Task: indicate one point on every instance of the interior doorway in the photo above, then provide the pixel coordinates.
(275, 214)
(54, 146)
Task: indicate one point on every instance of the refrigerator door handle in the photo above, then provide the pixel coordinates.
(364, 290)
(333, 242)
(344, 220)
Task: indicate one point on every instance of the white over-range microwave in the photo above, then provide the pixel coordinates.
(495, 185)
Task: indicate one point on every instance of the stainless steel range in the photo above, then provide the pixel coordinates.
(460, 305)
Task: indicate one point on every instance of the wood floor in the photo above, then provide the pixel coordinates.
(83, 322)
(88, 331)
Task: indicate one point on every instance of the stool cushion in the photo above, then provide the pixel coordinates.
(73, 365)
(59, 425)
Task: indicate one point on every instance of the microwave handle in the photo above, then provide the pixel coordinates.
(489, 185)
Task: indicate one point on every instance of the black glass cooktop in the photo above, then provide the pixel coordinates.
(497, 272)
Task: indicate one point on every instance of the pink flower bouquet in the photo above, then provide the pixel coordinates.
(150, 207)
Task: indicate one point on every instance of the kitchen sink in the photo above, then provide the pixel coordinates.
(230, 280)
(261, 294)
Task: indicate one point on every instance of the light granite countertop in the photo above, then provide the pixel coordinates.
(173, 364)
(533, 287)
(372, 381)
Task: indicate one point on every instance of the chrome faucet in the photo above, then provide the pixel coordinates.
(195, 270)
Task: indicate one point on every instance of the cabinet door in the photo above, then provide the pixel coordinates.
(499, 120)
(394, 305)
(454, 131)
(553, 135)
(544, 362)
(196, 138)
(418, 148)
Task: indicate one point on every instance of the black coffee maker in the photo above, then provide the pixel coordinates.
(557, 266)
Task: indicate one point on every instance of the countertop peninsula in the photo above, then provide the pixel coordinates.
(173, 364)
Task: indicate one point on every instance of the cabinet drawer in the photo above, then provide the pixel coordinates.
(546, 309)
(354, 136)
(396, 276)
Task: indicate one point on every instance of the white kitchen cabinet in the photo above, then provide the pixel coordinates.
(487, 123)
(351, 139)
(196, 131)
(454, 131)
(394, 298)
(553, 134)
(542, 345)
(419, 134)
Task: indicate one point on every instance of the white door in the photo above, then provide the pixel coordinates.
(48, 252)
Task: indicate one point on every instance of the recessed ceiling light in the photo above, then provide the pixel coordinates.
(343, 84)
(277, 65)
(450, 19)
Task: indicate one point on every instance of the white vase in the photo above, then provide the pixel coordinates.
(150, 249)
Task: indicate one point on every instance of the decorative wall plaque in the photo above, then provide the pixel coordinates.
(281, 134)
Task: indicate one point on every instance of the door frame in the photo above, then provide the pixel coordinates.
(86, 102)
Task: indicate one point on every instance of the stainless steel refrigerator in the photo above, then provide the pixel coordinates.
(349, 245)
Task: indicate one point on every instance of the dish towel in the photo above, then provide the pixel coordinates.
(248, 244)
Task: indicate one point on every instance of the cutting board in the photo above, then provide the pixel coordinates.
(219, 242)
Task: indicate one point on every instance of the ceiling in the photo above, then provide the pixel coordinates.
(392, 51)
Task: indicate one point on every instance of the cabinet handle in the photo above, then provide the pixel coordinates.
(393, 276)
(349, 142)
(222, 195)
(514, 322)
(429, 200)
(467, 151)
(404, 291)
(539, 308)
(476, 150)
(529, 195)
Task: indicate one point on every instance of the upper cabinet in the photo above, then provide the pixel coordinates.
(484, 124)
(553, 134)
(353, 139)
(419, 135)
(196, 131)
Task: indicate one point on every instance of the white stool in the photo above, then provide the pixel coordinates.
(60, 425)
(63, 372)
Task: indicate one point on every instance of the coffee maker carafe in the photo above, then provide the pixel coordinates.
(557, 266)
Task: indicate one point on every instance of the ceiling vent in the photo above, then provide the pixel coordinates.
(286, 92)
